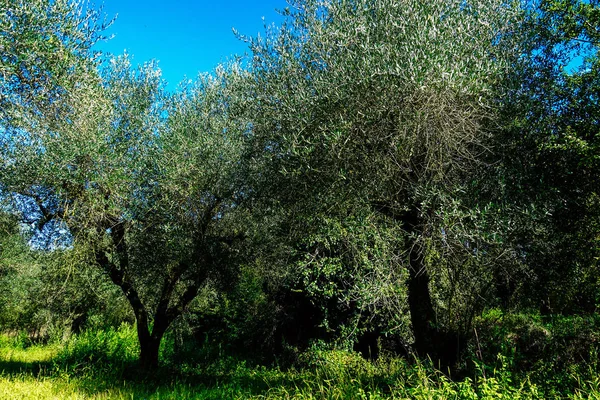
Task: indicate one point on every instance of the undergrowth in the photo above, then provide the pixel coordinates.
(102, 365)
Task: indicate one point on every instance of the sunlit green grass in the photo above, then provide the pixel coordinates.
(88, 368)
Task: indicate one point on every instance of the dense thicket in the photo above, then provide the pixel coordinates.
(548, 174)
(376, 173)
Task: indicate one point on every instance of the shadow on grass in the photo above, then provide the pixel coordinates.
(229, 380)
(36, 368)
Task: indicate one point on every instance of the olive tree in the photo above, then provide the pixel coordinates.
(146, 182)
(386, 107)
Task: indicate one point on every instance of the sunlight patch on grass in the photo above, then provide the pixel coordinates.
(30, 388)
(34, 354)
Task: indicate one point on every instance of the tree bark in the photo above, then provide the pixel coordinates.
(149, 346)
(442, 346)
(422, 313)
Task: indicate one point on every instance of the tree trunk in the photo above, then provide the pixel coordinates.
(163, 316)
(440, 345)
(422, 314)
(150, 342)
(149, 346)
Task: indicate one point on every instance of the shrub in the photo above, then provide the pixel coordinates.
(111, 350)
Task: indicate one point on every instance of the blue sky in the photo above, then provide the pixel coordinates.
(185, 36)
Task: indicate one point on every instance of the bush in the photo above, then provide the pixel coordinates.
(111, 350)
(558, 352)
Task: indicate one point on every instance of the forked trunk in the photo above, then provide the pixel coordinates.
(150, 342)
(149, 352)
(149, 347)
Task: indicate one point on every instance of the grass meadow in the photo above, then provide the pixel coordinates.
(102, 365)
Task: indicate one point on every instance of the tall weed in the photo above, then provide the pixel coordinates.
(110, 350)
